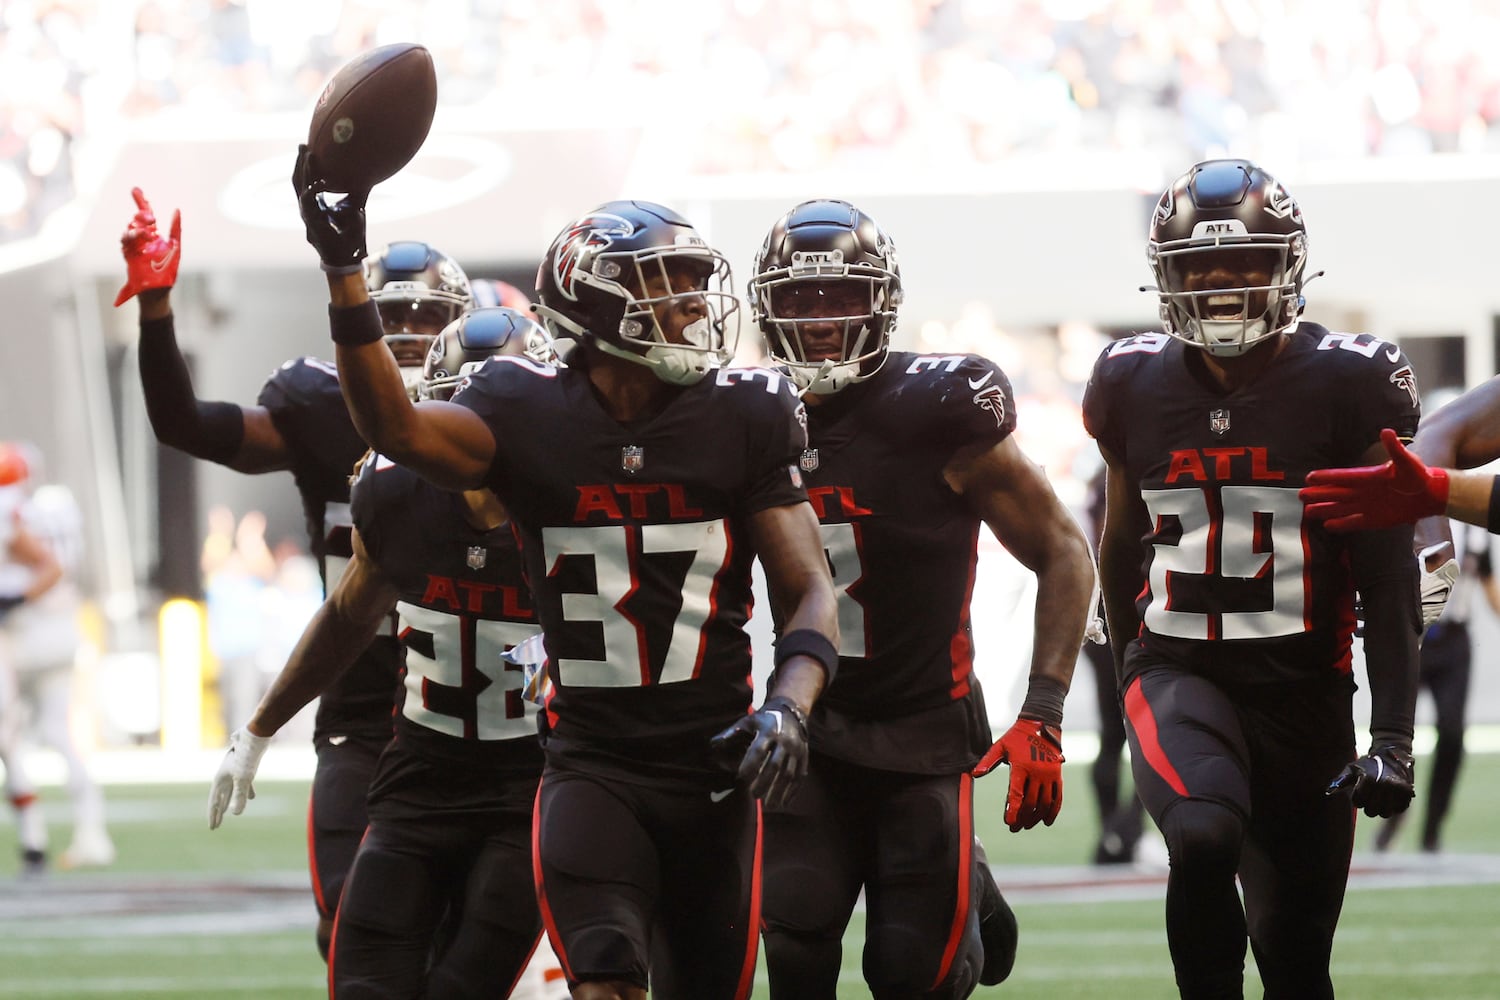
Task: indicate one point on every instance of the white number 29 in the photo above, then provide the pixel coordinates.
(1256, 534)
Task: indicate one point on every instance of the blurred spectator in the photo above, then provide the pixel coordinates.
(786, 85)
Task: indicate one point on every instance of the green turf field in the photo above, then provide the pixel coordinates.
(226, 914)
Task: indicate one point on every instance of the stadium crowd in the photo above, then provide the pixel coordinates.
(782, 85)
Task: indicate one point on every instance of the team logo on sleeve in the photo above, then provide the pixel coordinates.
(992, 398)
(1218, 421)
(1404, 378)
(632, 458)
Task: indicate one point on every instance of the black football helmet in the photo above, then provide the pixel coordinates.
(591, 285)
(472, 339)
(1233, 206)
(419, 290)
(826, 241)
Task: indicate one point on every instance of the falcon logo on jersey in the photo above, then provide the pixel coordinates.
(477, 557)
(1218, 421)
(591, 234)
(632, 458)
(992, 398)
(1404, 378)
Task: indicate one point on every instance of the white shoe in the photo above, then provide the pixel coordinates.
(89, 849)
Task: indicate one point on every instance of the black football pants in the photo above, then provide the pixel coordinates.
(1236, 784)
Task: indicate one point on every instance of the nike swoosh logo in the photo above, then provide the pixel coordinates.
(720, 796)
(161, 265)
(976, 383)
(335, 741)
(1393, 355)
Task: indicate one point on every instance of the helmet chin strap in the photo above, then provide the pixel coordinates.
(824, 370)
(675, 367)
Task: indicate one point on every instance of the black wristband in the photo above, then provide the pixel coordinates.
(781, 703)
(1493, 523)
(1389, 739)
(159, 326)
(355, 326)
(1044, 700)
(808, 642)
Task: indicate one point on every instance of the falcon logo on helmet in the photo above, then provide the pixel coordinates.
(612, 278)
(589, 235)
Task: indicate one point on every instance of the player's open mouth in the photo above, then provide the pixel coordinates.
(1225, 306)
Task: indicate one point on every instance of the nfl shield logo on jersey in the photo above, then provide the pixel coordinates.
(1218, 421)
(477, 556)
(632, 458)
(809, 460)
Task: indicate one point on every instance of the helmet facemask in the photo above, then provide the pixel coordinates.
(412, 319)
(1228, 321)
(651, 284)
(418, 290)
(787, 302)
(825, 294)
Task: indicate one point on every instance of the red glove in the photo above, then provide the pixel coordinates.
(1402, 491)
(1033, 750)
(151, 261)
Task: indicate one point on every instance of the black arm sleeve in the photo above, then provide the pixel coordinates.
(1386, 575)
(212, 431)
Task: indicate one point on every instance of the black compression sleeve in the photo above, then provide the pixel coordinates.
(212, 431)
(1386, 575)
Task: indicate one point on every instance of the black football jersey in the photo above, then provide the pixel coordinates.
(308, 409)
(636, 545)
(1229, 558)
(903, 550)
(463, 603)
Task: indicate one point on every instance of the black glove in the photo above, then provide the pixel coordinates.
(1380, 781)
(336, 230)
(776, 757)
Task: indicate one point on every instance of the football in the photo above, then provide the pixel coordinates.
(373, 116)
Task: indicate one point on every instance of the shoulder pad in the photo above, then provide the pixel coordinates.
(769, 380)
(955, 394)
(378, 483)
(300, 380)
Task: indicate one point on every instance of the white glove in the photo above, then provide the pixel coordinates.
(1437, 584)
(1094, 631)
(235, 781)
